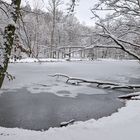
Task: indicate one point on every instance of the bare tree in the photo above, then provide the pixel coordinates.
(38, 5)
(126, 11)
(53, 7)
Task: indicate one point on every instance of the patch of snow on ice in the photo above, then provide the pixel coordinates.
(63, 89)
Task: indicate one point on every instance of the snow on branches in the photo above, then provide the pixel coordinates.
(120, 24)
(99, 84)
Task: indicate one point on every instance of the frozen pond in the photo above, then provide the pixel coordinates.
(36, 101)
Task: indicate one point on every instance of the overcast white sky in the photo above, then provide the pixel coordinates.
(83, 12)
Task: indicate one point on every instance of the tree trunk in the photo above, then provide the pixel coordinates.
(8, 39)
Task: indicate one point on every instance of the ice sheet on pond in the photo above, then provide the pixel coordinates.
(35, 76)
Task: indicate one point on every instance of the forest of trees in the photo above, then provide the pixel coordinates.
(43, 31)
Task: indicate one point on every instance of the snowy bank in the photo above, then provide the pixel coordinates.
(33, 60)
(123, 125)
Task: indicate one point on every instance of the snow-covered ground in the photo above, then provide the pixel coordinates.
(32, 60)
(123, 125)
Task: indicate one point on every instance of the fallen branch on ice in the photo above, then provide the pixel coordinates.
(67, 123)
(131, 96)
(100, 84)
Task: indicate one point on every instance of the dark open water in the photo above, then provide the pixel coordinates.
(44, 110)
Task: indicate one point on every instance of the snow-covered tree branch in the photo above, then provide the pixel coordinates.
(119, 42)
(120, 25)
(99, 84)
